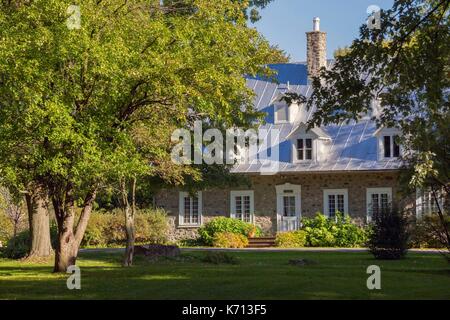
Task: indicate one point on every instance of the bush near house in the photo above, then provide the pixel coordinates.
(340, 232)
(222, 224)
(230, 240)
(293, 239)
(108, 229)
(428, 232)
(389, 235)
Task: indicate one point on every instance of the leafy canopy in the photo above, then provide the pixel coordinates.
(81, 105)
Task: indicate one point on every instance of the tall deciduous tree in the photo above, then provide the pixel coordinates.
(71, 96)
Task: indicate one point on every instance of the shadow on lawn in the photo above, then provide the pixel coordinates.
(336, 276)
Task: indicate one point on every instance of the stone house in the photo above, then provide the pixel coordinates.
(351, 168)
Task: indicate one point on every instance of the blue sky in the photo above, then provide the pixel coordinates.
(284, 22)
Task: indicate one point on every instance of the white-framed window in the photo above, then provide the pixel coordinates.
(335, 200)
(304, 149)
(281, 111)
(378, 200)
(426, 202)
(391, 146)
(242, 205)
(190, 214)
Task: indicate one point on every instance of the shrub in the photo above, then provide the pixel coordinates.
(229, 240)
(220, 258)
(223, 224)
(347, 234)
(428, 232)
(153, 227)
(293, 239)
(389, 235)
(6, 228)
(19, 246)
(339, 232)
(108, 229)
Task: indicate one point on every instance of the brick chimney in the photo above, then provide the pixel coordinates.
(316, 49)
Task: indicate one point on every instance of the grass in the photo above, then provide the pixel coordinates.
(259, 275)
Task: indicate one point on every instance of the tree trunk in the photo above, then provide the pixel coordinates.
(69, 240)
(66, 251)
(129, 221)
(39, 220)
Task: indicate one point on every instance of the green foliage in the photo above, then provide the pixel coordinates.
(428, 232)
(230, 240)
(220, 258)
(18, 247)
(108, 229)
(293, 239)
(83, 107)
(6, 228)
(340, 52)
(222, 224)
(341, 232)
(389, 235)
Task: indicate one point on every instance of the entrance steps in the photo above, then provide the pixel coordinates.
(265, 242)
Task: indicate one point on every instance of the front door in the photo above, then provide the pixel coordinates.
(288, 207)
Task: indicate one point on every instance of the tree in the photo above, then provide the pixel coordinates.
(37, 204)
(39, 221)
(340, 52)
(74, 95)
(404, 65)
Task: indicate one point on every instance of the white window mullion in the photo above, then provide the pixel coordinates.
(337, 196)
(242, 205)
(377, 199)
(190, 210)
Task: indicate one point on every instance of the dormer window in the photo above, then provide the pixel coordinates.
(308, 145)
(304, 149)
(281, 113)
(391, 146)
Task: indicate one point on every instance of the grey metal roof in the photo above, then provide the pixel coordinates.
(353, 146)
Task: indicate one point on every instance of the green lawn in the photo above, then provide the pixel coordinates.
(259, 275)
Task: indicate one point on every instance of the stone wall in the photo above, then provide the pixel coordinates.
(217, 202)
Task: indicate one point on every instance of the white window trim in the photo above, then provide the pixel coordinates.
(328, 192)
(181, 223)
(369, 193)
(278, 106)
(294, 148)
(242, 193)
(391, 132)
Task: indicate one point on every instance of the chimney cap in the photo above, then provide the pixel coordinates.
(316, 24)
